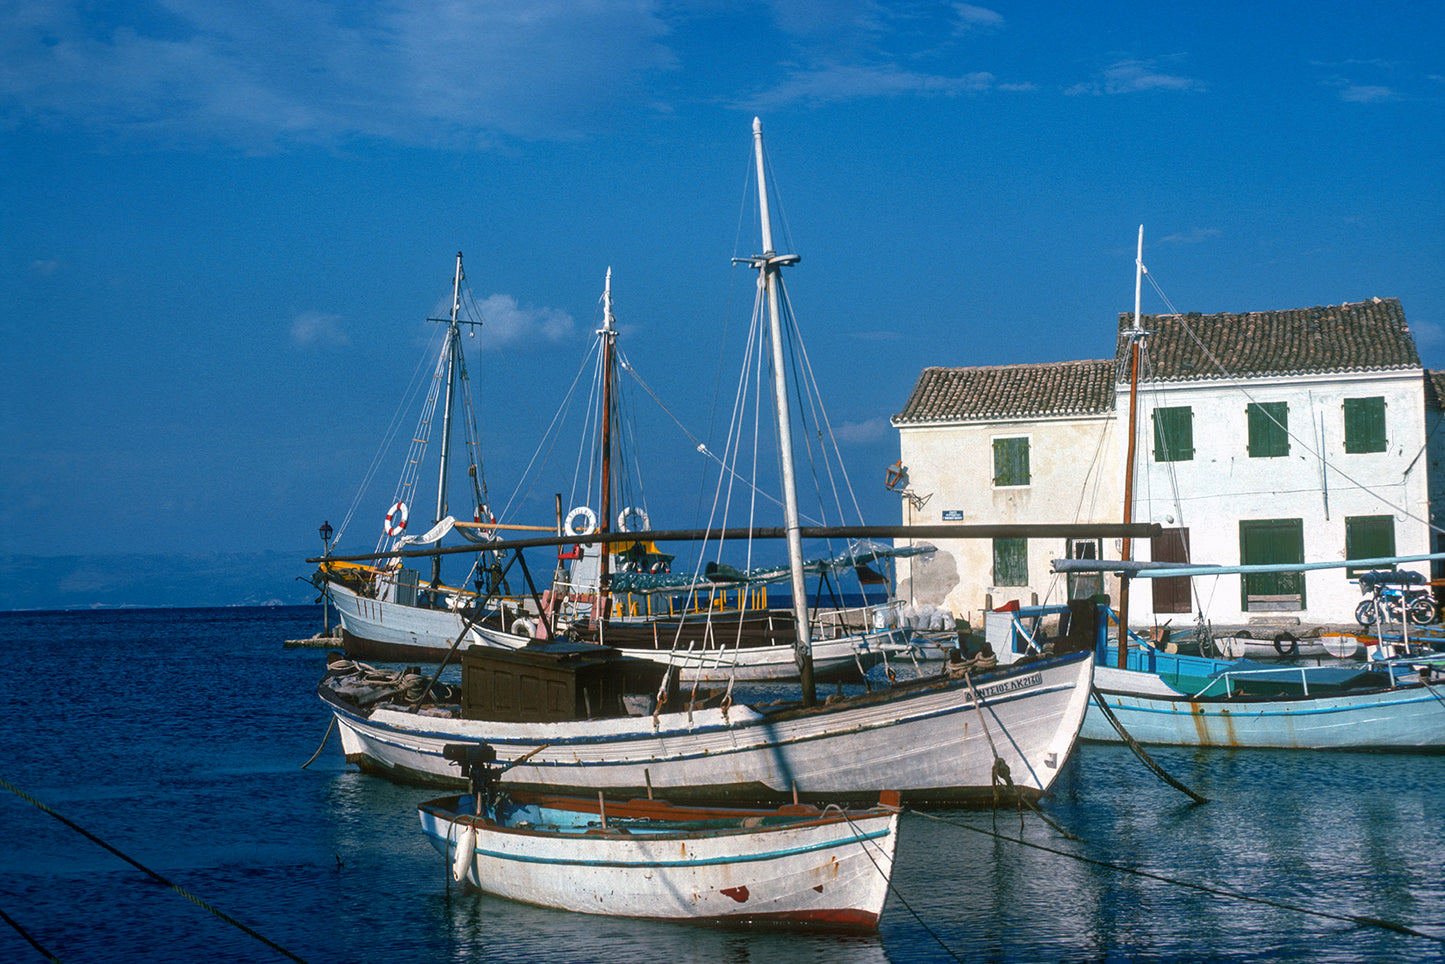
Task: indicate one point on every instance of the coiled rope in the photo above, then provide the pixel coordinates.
(151, 873)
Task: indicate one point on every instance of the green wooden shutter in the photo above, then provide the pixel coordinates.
(1365, 424)
(1011, 461)
(1368, 537)
(1010, 562)
(1268, 429)
(1173, 434)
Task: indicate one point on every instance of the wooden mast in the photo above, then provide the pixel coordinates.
(769, 266)
(1136, 335)
(608, 335)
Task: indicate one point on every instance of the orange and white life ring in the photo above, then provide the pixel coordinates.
(484, 514)
(585, 516)
(396, 520)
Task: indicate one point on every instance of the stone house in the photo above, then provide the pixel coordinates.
(1294, 436)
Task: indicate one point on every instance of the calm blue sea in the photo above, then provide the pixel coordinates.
(178, 738)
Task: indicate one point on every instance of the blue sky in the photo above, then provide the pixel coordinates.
(225, 223)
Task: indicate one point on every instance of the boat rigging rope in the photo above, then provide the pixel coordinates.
(142, 867)
(1357, 919)
(1138, 750)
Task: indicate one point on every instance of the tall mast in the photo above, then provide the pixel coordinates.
(1136, 335)
(608, 334)
(769, 266)
(453, 347)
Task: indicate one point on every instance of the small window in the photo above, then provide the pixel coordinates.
(1011, 461)
(1173, 434)
(1268, 429)
(1010, 562)
(1368, 537)
(1365, 424)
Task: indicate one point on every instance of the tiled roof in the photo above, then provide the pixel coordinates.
(1011, 391)
(1367, 336)
(1434, 389)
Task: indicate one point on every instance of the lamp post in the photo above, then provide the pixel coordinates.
(325, 532)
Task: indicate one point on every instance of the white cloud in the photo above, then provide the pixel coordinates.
(1192, 236)
(258, 73)
(1133, 76)
(861, 433)
(971, 17)
(843, 82)
(508, 321)
(318, 328)
(1365, 94)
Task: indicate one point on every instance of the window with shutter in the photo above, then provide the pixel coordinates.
(1268, 429)
(1011, 461)
(1173, 434)
(1365, 424)
(1010, 562)
(1368, 537)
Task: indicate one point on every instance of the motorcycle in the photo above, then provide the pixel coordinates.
(1392, 599)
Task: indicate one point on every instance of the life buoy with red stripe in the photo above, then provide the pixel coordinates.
(396, 520)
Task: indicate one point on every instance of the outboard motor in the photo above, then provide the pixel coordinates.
(477, 761)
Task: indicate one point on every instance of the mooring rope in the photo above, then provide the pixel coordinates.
(1357, 919)
(1133, 745)
(28, 939)
(151, 873)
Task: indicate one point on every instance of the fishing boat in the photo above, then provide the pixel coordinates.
(964, 735)
(795, 865)
(388, 611)
(622, 594)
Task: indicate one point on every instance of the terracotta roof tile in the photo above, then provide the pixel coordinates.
(1367, 336)
(1011, 391)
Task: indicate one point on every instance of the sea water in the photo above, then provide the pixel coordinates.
(177, 737)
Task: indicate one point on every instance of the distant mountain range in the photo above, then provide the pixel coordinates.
(209, 579)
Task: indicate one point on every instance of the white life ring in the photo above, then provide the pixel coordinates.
(630, 514)
(396, 520)
(589, 522)
(466, 851)
(522, 627)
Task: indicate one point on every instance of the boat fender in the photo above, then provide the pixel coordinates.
(396, 520)
(466, 850)
(633, 519)
(522, 627)
(1286, 645)
(585, 516)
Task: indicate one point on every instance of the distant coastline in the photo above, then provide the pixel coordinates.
(154, 581)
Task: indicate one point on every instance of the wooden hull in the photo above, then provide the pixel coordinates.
(825, 870)
(927, 739)
(1402, 718)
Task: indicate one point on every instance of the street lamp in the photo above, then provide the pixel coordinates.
(325, 532)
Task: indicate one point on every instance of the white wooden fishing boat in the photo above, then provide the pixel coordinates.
(796, 865)
(955, 737)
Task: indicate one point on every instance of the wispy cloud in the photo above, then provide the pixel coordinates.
(844, 82)
(1192, 236)
(262, 73)
(508, 321)
(315, 328)
(1135, 76)
(1365, 93)
(862, 433)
